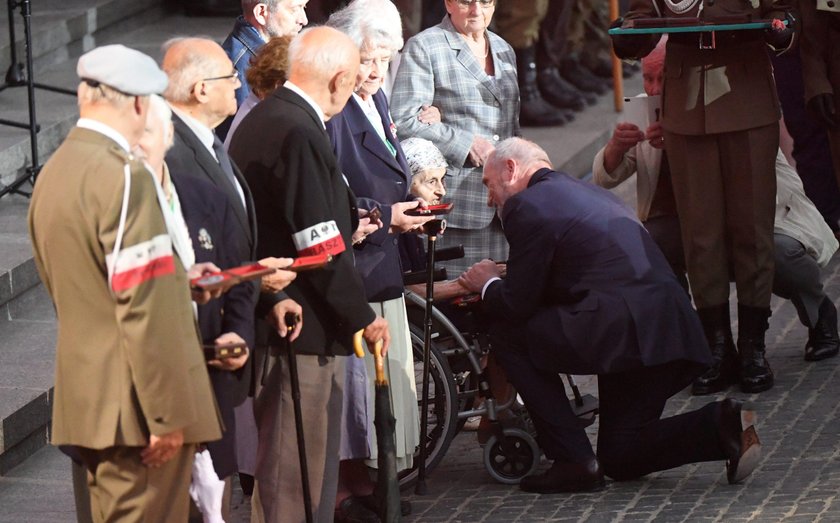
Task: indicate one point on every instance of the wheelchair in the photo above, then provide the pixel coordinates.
(458, 382)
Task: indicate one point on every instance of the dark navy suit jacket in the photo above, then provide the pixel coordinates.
(214, 232)
(596, 294)
(377, 178)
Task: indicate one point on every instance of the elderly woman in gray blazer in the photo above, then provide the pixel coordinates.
(469, 74)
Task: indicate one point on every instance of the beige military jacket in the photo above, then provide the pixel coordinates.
(128, 362)
(730, 88)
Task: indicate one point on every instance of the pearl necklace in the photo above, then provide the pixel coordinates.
(683, 6)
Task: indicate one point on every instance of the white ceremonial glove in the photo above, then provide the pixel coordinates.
(206, 489)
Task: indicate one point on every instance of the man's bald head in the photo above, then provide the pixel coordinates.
(202, 80)
(653, 66)
(324, 63)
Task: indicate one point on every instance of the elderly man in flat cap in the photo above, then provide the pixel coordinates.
(132, 396)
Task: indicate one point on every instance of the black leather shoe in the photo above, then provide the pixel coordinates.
(352, 510)
(739, 440)
(558, 92)
(372, 502)
(580, 77)
(566, 477)
(823, 340)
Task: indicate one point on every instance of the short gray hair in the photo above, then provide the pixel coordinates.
(186, 72)
(101, 93)
(249, 5)
(521, 150)
(324, 59)
(370, 24)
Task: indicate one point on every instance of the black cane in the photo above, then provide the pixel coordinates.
(291, 320)
(433, 228)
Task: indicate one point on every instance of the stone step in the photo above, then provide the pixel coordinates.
(17, 269)
(56, 113)
(61, 30)
(27, 359)
(64, 28)
(40, 490)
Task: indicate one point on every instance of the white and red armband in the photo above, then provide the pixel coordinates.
(320, 238)
(142, 262)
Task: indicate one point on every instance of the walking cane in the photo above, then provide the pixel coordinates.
(433, 229)
(387, 486)
(291, 320)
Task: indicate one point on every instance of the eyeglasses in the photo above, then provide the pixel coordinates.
(234, 76)
(481, 3)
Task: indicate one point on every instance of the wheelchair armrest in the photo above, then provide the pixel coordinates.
(420, 277)
(449, 253)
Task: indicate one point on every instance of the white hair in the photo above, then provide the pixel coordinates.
(524, 152)
(161, 109)
(189, 70)
(370, 24)
(324, 57)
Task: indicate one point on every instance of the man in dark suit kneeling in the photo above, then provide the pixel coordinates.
(588, 292)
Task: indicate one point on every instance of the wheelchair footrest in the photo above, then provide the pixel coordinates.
(586, 408)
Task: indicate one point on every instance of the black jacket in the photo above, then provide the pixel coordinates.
(304, 206)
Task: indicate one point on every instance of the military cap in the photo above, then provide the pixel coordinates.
(122, 68)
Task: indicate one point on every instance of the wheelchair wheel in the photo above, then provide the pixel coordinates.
(513, 457)
(443, 407)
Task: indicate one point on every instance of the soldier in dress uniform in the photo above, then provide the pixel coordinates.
(132, 397)
(820, 52)
(721, 132)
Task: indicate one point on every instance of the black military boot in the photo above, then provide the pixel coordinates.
(756, 375)
(533, 110)
(823, 340)
(559, 92)
(579, 76)
(724, 369)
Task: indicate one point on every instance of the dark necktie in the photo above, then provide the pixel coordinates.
(224, 162)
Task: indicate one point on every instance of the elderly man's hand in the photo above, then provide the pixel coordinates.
(162, 448)
(277, 318)
(279, 279)
(230, 364)
(476, 276)
(655, 136)
(625, 136)
(198, 270)
(375, 331)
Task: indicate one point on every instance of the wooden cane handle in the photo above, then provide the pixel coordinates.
(380, 364)
(357, 344)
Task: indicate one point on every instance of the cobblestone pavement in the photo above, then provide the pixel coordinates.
(798, 479)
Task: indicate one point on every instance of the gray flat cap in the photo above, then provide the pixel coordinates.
(124, 69)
